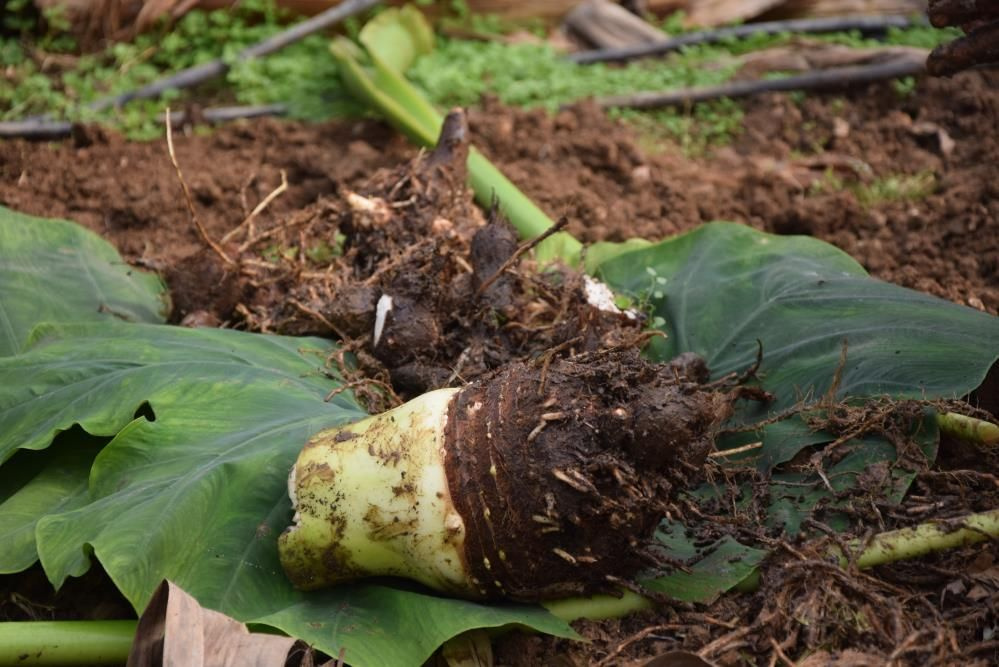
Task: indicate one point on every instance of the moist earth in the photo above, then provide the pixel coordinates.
(902, 181)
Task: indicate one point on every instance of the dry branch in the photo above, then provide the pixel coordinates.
(863, 24)
(187, 196)
(823, 79)
(606, 25)
(56, 129)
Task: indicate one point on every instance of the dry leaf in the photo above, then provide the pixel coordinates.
(176, 631)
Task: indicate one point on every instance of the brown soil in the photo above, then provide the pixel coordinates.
(907, 184)
(796, 168)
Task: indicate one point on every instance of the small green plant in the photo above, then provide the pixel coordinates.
(829, 182)
(886, 189)
(905, 86)
(304, 78)
(897, 187)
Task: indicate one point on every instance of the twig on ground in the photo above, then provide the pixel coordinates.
(737, 450)
(319, 317)
(864, 24)
(302, 218)
(187, 195)
(259, 208)
(216, 68)
(729, 641)
(779, 653)
(836, 77)
(365, 382)
(42, 129)
(609, 659)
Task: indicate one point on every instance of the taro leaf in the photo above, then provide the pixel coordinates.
(712, 570)
(56, 271)
(196, 489)
(708, 572)
(865, 472)
(386, 626)
(722, 287)
(49, 482)
(398, 37)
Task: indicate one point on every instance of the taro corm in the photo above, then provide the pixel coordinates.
(537, 481)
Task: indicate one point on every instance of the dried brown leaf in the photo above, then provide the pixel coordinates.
(176, 631)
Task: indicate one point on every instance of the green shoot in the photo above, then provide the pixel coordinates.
(66, 642)
(968, 428)
(889, 547)
(890, 188)
(381, 85)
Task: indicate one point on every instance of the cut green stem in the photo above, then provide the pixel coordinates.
(66, 642)
(927, 538)
(967, 428)
(883, 549)
(385, 89)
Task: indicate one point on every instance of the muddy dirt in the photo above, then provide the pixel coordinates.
(905, 183)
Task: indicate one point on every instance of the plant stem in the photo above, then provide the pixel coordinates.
(389, 92)
(66, 642)
(598, 607)
(926, 538)
(885, 548)
(974, 430)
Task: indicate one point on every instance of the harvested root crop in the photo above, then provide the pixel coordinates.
(537, 481)
(424, 291)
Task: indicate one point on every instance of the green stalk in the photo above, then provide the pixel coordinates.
(926, 538)
(968, 428)
(885, 548)
(598, 607)
(384, 88)
(66, 642)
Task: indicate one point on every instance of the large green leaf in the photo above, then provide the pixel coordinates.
(48, 482)
(53, 270)
(56, 271)
(194, 488)
(724, 289)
